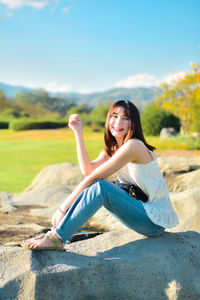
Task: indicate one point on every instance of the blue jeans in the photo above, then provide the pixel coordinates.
(129, 210)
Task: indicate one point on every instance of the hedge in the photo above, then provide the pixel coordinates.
(4, 125)
(18, 125)
(154, 119)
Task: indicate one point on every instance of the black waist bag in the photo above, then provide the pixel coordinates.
(133, 190)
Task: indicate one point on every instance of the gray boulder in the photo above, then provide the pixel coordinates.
(178, 164)
(180, 172)
(183, 182)
(187, 206)
(167, 132)
(54, 183)
(196, 135)
(115, 265)
(64, 174)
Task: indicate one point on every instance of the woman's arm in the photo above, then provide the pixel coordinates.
(125, 154)
(85, 163)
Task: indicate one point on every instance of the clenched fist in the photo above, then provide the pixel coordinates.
(75, 123)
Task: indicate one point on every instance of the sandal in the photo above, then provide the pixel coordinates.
(56, 242)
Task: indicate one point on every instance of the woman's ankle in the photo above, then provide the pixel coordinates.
(54, 235)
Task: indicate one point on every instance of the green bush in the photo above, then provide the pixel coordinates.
(85, 118)
(98, 115)
(73, 110)
(10, 114)
(95, 127)
(154, 119)
(29, 124)
(4, 125)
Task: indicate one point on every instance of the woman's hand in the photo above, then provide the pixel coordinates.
(75, 123)
(57, 217)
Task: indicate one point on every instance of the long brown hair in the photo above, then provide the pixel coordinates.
(135, 127)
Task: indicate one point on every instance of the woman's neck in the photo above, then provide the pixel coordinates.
(119, 142)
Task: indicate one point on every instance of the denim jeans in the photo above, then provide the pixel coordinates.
(128, 210)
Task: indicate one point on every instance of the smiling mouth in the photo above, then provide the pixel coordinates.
(117, 129)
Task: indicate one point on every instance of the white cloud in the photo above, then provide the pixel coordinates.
(37, 4)
(54, 87)
(173, 77)
(139, 80)
(65, 10)
(147, 80)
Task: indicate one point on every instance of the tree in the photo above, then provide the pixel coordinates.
(155, 118)
(4, 102)
(73, 110)
(43, 100)
(98, 115)
(183, 98)
(10, 113)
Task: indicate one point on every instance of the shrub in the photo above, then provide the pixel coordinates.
(98, 115)
(29, 124)
(10, 114)
(4, 125)
(95, 127)
(85, 118)
(154, 119)
(73, 110)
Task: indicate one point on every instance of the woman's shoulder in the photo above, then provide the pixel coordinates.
(135, 143)
(132, 148)
(141, 154)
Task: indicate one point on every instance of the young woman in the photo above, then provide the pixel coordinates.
(127, 153)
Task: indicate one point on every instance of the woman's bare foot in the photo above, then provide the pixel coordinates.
(50, 241)
(39, 237)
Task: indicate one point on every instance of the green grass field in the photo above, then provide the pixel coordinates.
(23, 154)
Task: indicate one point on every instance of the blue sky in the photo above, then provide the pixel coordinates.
(95, 45)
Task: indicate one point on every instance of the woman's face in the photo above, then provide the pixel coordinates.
(119, 124)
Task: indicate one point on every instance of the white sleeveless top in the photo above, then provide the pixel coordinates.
(150, 179)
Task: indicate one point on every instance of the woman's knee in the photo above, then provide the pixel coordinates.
(97, 186)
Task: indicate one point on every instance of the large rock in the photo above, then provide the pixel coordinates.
(187, 206)
(168, 132)
(64, 174)
(28, 213)
(115, 265)
(196, 135)
(53, 184)
(47, 191)
(178, 164)
(183, 182)
(180, 172)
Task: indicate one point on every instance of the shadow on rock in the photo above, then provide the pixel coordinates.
(114, 265)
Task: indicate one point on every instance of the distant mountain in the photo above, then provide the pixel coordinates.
(11, 90)
(139, 95)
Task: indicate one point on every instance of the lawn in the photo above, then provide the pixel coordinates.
(23, 154)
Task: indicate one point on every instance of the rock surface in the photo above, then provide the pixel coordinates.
(36, 205)
(167, 132)
(187, 205)
(120, 264)
(115, 265)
